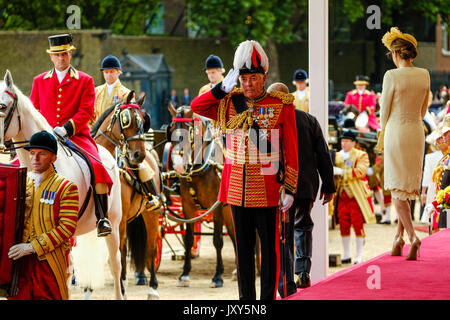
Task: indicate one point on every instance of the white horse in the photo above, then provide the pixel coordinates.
(25, 121)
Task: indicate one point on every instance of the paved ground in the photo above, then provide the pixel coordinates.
(379, 239)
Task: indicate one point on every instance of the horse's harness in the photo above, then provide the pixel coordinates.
(193, 169)
(10, 114)
(123, 116)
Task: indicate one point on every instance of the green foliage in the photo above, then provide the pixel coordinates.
(121, 16)
(239, 20)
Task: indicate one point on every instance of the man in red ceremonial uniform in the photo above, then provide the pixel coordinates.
(261, 161)
(363, 100)
(66, 97)
(50, 220)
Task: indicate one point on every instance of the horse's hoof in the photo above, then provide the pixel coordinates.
(216, 284)
(153, 294)
(184, 281)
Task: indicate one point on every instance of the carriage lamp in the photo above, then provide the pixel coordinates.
(2, 133)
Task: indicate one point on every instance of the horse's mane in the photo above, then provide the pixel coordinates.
(28, 106)
(101, 119)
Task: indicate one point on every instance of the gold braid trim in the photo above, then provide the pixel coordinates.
(242, 120)
(286, 98)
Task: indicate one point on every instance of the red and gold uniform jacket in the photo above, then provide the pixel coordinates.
(249, 177)
(70, 104)
(365, 101)
(50, 221)
(354, 181)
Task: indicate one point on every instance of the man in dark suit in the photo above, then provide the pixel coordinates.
(314, 160)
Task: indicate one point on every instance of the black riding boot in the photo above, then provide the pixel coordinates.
(103, 224)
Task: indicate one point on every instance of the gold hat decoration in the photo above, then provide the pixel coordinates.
(395, 33)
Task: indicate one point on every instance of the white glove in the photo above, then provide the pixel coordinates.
(230, 80)
(19, 250)
(287, 202)
(370, 171)
(338, 171)
(60, 131)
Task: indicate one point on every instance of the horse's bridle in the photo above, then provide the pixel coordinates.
(10, 114)
(178, 121)
(122, 114)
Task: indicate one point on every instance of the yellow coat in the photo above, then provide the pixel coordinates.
(103, 101)
(354, 181)
(301, 104)
(48, 225)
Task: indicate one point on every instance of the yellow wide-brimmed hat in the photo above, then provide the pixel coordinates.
(395, 33)
(60, 43)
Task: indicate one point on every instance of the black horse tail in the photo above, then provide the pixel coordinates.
(137, 242)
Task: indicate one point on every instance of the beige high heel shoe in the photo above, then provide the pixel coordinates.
(414, 250)
(397, 248)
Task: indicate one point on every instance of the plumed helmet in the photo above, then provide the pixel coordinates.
(250, 58)
(110, 62)
(300, 75)
(213, 62)
(43, 140)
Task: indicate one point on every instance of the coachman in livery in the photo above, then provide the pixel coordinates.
(260, 136)
(65, 97)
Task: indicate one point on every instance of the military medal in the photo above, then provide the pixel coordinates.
(271, 112)
(348, 163)
(115, 99)
(44, 197)
(52, 197)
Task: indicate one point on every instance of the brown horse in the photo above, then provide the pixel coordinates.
(120, 129)
(199, 183)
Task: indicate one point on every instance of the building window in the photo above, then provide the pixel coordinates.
(445, 40)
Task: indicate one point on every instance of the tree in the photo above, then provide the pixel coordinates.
(121, 16)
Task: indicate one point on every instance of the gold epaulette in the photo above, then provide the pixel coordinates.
(286, 98)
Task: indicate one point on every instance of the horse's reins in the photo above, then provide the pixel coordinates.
(122, 143)
(9, 116)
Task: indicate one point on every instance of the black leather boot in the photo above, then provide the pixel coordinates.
(103, 224)
(303, 280)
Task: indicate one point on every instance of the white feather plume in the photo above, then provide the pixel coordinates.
(243, 55)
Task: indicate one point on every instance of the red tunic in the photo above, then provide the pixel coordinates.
(70, 104)
(249, 179)
(365, 101)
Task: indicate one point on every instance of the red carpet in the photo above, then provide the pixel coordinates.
(422, 228)
(428, 278)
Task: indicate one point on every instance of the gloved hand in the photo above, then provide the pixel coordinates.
(338, 171)
(19, 250)
(370, 171)
(60, 131)
(286, 202)
(230, 80)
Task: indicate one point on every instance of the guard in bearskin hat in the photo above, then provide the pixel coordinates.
(65, 97)
(253, 122)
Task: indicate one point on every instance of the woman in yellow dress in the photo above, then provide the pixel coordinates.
(403, 102)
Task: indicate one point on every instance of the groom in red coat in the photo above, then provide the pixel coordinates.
(65, 97)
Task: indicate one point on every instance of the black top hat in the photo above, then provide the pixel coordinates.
(213, 62)
(300, 75)
(60, 43)
(110, 62)
(360, 79)
(43, 140)
(348, 134)
(349, 123)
